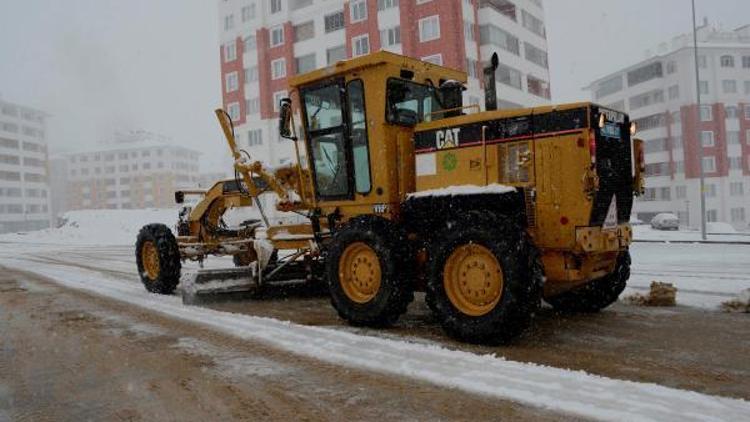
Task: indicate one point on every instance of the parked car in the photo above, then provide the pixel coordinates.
(665, 221)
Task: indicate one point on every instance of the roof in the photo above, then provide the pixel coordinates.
(375, 59)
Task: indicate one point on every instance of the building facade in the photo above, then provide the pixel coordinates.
(24, 181)
(264, 42)
(137, 170)
(660, 94)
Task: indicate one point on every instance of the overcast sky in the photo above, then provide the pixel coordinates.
(103, 65)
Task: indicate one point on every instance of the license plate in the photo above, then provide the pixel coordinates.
(611, 130)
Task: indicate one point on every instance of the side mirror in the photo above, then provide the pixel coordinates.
(405, 117)
(285, 119)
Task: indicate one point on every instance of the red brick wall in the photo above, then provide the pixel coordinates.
(266, 55)
(744, 139)
(368, 26)
(451, 42)
(229, 67)
(692, 140)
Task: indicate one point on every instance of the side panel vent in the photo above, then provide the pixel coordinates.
(530, 200)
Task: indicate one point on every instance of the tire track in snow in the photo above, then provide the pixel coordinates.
(574, 392)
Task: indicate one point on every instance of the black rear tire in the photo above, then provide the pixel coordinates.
(522, 278)
(169, 267)
(598, 294)
(395, 291)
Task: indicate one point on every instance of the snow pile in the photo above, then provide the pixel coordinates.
(463, 190)
(739, 304)
(97, 227)
(646, 233)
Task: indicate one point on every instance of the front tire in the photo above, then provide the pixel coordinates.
(367, 269)
(484, 281)
(598, 294)
(158, 258)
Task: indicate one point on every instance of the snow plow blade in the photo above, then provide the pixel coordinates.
(210, 286)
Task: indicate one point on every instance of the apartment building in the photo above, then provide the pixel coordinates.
(135, 170)
(660, 93)
(24, 187)
(264, 42)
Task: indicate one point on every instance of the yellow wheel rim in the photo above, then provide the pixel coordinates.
(473, 279)
(359, 272)
(150, 259)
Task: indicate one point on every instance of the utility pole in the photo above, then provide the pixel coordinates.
(697, 127)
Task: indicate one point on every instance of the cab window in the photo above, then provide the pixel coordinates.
(358, 132)
(409, 103)
(324, 115)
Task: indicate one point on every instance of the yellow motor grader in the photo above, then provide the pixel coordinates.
(403, 188)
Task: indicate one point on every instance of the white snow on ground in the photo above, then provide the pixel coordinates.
(463, 190)
(555, 389)
(97, 227)
(705, 274)
(645, 232)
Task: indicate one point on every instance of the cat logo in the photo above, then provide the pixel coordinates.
(447, 138)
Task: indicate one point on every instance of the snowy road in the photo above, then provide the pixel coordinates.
(711, 273)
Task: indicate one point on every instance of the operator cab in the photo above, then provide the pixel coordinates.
(358, 117)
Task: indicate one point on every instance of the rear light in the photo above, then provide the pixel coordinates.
(592, 146)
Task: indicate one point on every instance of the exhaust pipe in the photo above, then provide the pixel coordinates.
(490, 84)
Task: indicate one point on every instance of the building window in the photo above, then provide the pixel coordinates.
(747, 111)
(491, 34)
(535, 55)
(709, 164)
(609, 87)
(738, 215)
(727, 61)
(729, 86)
(278, 68)
(299, 4)
(250, 43)
(680, 192)
(358, 9)
(248, 12)
(231, 82)
(228, 22)
(746, 62)
(360, 45)
(305, 63)
(233, 109)
(711, 190)
(387, 4)
(429, 28)
(747, 87)
(732, 112)
(736, 189)
(255, 137)
(251, 74)
(538, 87)
(469, 31)
(707, 138)
(646, 99)
(706, 113)
(304, 31)
(277, 36)
(335, 54)
(645, 73)
(390, 37)
(532, 23)
(334, 22)
(679, 167)
(277, 97)
(434, 59)
(230, 51)
(275, 6)
(671, 67)
(253, 105)
(702, 62)
(508, 76)
(703, 87)
(471, 68)
(735, 163)
(733, 137)
(674, 92)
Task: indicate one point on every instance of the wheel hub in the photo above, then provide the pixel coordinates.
(359, 272)
(473, 279)
(150, 259)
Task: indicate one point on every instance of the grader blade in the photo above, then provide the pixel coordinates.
(210, 286)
